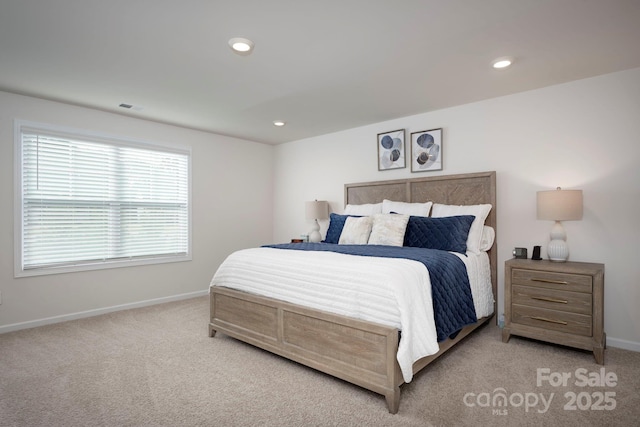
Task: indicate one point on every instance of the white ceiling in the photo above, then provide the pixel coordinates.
(320, 65)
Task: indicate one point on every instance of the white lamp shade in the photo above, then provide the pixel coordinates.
(317, 209)
(559, 205)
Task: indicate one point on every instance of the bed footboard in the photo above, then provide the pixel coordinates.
(357, 351)
(360, 352)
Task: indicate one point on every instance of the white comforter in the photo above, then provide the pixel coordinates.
(390, 291)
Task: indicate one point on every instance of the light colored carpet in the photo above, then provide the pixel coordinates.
(156, 366)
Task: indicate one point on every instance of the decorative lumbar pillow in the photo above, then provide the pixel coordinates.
(366, 209)
(356, 230)
(388, 229)
(415, 209)
(336, 224)
(475, 232)
(447, 233)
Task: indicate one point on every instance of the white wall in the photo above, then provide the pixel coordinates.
(231, 207)
(580, 135)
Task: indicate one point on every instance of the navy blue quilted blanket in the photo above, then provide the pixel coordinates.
(450, 289)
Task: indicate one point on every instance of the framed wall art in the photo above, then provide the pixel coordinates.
(426, 150)
(391, 151)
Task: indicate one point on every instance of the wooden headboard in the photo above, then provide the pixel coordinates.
(464, 189)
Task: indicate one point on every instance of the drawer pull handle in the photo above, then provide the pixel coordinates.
(561, 301)
(557, 282)
(544, 319)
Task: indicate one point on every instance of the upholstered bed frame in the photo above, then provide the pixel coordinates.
(360, 352)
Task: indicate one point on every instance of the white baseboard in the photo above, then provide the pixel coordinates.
(624, 344)
(90, 313)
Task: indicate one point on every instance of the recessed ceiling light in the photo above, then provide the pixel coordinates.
(241, 46)
(503, 62)
(279, 123)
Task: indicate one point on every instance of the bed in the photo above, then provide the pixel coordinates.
(362, 352)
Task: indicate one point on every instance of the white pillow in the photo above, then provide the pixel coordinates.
(475, 232)
(356, 231)
(415, 209)
(367, 209)
(488, 237)
(388, 229)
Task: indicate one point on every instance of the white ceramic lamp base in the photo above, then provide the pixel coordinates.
(558, 249)
(314, 234)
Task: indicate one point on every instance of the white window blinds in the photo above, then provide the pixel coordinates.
(91, 202)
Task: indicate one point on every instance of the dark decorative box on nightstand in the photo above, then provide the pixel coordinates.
(558, 302)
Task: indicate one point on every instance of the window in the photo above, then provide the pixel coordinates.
(85, 201)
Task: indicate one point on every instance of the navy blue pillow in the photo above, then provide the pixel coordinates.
(445, 233)
(336, 224)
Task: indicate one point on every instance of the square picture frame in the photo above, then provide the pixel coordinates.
(391, 150)
(426, 150)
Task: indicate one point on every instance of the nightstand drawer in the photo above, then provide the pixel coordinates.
(572, 302)
(552, 280)
(561, 321)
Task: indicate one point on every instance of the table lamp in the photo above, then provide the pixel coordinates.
(315, 210)
(559, 205)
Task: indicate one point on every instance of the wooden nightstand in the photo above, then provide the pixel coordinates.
(558, 302)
